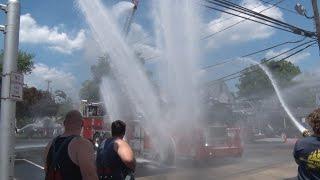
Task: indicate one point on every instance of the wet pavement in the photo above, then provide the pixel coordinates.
(260, 161)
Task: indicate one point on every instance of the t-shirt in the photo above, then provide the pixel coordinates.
(307, 155)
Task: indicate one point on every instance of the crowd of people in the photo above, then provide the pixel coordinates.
(69, 156)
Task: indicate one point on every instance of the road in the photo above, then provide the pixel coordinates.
(260, 161)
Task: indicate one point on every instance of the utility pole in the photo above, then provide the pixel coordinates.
(48, 85)
(316, 19)
(9, 90)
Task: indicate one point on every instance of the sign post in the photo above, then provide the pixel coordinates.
(9, 89)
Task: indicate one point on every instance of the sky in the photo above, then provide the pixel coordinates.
(56, 33)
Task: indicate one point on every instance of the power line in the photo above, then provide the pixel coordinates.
(239, 76)
(245, 73)
(252, 53)
(211, 35)
(286, 9)
(226, 4)
(232, 17)
(265, 61)
(238, 8)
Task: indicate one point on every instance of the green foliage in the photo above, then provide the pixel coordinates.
(90, 88)
(254, 81)
(102, 68)
(25, 62)
(90, 91)
(38, 103)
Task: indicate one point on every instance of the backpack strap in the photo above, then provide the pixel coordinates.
(56, 152)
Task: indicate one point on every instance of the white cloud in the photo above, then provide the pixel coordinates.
(245, 31)
(146, 51)
(32, 32)
(294, 59)
(60, 80)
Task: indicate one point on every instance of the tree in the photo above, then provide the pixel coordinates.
(90, 88)
(25, 62)
(38, 103)
(102, 68)
(31, 97)
(64, 103)
(90, 91)
(254, 81)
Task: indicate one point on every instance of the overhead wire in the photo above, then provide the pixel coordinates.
(238, 8)
(285, 9)
(232, 17)
(259, 18)
(308, 44)
(245, 73)
(252, 53)
(229, 3)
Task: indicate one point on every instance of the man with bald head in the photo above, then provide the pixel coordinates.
(70, 156)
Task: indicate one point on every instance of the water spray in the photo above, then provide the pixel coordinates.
(305, 132)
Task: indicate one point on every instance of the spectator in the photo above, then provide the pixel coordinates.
(69, 156)
(115, 158)
(307, 150)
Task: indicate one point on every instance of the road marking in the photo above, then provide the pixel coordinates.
(30, 162)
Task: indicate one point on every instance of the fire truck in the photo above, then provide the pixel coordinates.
(94, 118)
(199, 143)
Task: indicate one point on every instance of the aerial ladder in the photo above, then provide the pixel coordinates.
(129, 20)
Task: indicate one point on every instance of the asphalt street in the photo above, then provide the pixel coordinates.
(269, 160)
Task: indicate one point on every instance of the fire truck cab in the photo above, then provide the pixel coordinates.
(94, 126)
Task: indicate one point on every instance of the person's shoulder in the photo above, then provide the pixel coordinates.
(81, 142)
(306, 140)
(121, 143)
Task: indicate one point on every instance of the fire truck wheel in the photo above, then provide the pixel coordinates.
(167, 156)
(170, 158)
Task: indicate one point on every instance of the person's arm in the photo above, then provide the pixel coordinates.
(297, 153)
(45, 154)
(85, 158)
(126, 154)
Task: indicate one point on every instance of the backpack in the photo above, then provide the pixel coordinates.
(105, 173)
(54, 169)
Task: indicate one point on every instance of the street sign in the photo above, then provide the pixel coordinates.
(16, 86)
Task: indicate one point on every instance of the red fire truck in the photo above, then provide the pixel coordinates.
(200, 143)
(94, 118)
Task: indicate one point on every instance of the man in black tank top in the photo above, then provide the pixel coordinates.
(69, 155)
(115, 158)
